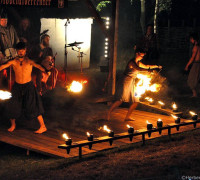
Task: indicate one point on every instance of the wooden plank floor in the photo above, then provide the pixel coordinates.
(48, 142)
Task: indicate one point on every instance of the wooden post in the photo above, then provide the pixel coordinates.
(143, 138)
(80, 152)
(115, 47)
(169, 132)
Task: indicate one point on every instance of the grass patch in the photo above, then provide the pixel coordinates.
(159, 159)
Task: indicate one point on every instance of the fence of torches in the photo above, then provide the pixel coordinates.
(131, 132)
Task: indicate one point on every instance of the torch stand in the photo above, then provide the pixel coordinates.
(80, 57)
(65, 59)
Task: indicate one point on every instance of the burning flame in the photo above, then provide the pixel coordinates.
(174, 106)
(147, 98)
(159, 119)
(175, 117)
(88, 134)
(128, 126)
(5, 95)
(144, 85)
(148, 122)
(75, 87)
(65, 136)
(150, 100)
(105, 128)
(192, 113)
(161, 103)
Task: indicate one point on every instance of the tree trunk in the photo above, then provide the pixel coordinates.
(156, 16)
(142, 17)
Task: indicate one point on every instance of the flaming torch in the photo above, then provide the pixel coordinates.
(130, 129)
(174, 107)
(89, 136)
(151, 101)
(76, 86)
(177, 119)
(110, 132)
(4, 95)
(68, 140)
(159, 123)
(162, 104)
(194, 115)
(149, 125)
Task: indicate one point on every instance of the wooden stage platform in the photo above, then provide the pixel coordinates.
(48, 142)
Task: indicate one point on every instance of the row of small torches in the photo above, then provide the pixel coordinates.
(162, 104)
(90, 137)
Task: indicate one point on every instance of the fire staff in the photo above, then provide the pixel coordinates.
(125, 86)
(25, 97)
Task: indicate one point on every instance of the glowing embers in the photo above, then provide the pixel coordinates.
(4, 95)
(144, 84)
(76, 86)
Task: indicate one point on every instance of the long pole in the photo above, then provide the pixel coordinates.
(115, 48)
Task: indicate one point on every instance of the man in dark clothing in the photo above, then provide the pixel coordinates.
(24, 95)
(38, 53)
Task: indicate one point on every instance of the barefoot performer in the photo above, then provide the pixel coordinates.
(25, 97)
(125, 86)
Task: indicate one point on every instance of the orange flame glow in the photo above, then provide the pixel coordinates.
(161, 103)
(192, 113)
(159, 119)
(75, 86)
(150, 100)
(144, 85)
(174, 106)
(88, 134)
(5, 95)
(175, 117)
(65, 136)
(148, 122)
(128, 126)
(105, 128)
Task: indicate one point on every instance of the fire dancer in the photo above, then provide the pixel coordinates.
(125, 86)
(24, 94)
(194, 75)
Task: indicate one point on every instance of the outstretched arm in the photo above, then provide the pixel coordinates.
(4, 66)
(149, 66)
(37, 66)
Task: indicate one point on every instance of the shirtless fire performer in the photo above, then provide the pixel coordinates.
(25, 97)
